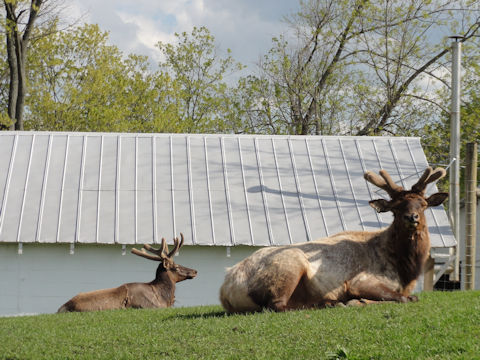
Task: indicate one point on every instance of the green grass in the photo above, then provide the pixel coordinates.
(439, 326)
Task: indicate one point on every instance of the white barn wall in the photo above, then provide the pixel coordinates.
(46, 276)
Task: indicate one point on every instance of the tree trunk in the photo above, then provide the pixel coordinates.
(12, 65)
(21, 87)
(342, 41)
(17, 46)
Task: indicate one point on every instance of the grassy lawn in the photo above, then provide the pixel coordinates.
(440, 326)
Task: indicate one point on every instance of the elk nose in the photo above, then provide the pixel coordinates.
(413, 218)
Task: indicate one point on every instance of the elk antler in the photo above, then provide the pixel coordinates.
(428, 177)
(143, 253)
(177, 246)
(162, 252)
(384, 182)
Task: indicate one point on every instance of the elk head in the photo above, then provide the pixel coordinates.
(407, 206)
(177, 272)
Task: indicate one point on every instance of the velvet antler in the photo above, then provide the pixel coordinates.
(384, 181)
(162, 252)
(428, 177)
(177, 245)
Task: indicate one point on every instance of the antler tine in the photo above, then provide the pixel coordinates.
(153, 250)
(437, 174)
(160, 253)
(144, 254)
(177, 246)
(384, 182)
(374, 179)
(421, 184)
(428, 177)
(181, 241)
(395, 188)
(164, 247)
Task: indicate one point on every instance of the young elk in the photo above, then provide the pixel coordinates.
(159, 293)
(350, 266)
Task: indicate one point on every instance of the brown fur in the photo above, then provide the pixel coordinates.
(373, 266)
(159, 293)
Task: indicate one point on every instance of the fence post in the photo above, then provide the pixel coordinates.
(470, 215)
(428, 274)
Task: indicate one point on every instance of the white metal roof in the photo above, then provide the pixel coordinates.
(217, 189)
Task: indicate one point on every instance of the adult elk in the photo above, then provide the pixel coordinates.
(159, 293)
(350, 266)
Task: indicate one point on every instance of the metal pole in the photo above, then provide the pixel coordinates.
(470, 215)
(454, 202)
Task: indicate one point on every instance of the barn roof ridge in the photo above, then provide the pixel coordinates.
(134, 134)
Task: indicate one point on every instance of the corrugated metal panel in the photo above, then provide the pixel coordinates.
(216, 189)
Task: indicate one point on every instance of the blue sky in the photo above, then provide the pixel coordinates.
(244, 26)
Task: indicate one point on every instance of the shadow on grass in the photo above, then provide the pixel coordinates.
(218, 314)
(212, 314)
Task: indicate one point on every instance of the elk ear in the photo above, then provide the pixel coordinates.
(380, 205)
(166, 263)
(437, 199)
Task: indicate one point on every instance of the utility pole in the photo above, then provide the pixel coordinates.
(454, 196)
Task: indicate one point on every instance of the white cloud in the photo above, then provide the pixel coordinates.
(246, 27)
(147, 33)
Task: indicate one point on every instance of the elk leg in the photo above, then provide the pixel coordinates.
(276, 289)
(374, 291)
(273, 286)
(282, 296)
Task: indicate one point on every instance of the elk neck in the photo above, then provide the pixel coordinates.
(165, 285)
(409, 248)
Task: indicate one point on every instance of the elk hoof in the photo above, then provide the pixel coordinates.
(413, 298)
(355, 302)
(278, 306)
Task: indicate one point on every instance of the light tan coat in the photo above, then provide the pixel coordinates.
(376, 266)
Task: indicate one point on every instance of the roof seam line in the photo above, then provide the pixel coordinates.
(282, 197)
(44, 189)
(262, 187)
(299, 190)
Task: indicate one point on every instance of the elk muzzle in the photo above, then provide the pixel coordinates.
(412, 219)
(185, 273)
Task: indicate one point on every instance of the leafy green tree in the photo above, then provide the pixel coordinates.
(436, 134)
(201, 95)
(80, 83)
(358, 67)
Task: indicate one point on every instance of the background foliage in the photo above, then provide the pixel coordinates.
(348, 67)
